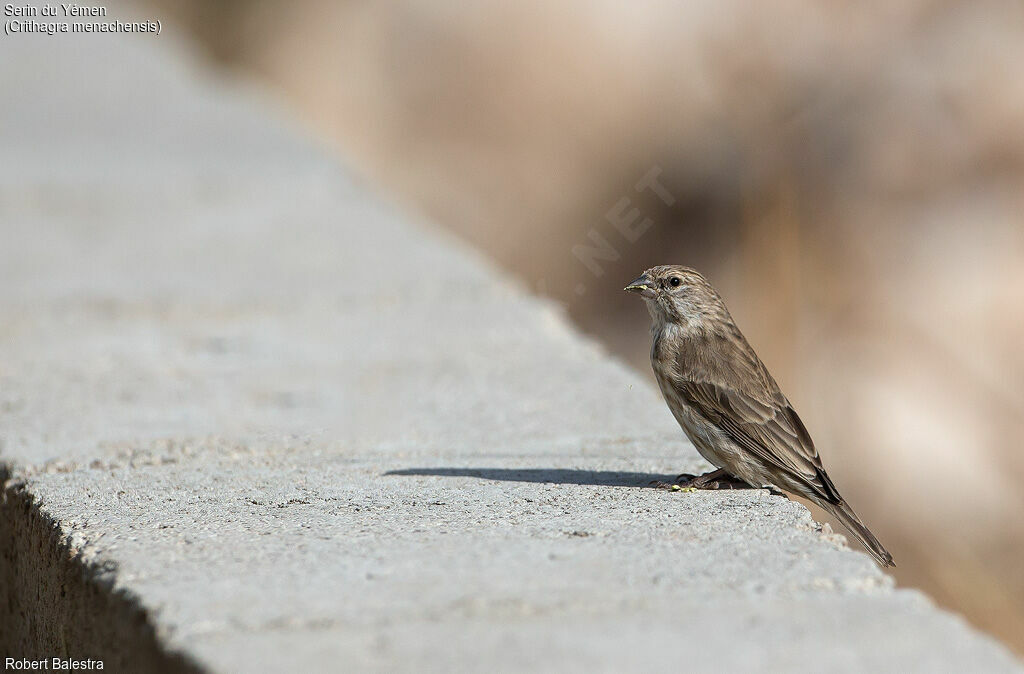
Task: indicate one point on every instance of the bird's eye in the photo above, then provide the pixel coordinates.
(674, 281)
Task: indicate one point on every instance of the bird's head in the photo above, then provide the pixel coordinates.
(678, 295)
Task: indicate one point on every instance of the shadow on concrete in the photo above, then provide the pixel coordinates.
(550, 475)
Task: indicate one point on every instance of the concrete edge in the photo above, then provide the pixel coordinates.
(59, 605)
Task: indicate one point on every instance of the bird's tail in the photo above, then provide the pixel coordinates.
(849, 519)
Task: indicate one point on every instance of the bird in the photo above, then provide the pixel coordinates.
(728, 404)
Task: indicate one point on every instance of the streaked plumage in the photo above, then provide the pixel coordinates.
(727, 402)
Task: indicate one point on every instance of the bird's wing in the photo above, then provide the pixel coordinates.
(767, 427)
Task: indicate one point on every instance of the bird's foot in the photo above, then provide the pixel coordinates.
(669, 486)
(716, 479)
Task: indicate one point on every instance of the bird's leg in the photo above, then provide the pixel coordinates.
(716, 479)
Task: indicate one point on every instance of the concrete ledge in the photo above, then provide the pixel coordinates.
(254, 420)
(59, 605)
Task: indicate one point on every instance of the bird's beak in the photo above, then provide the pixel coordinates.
(643, 286)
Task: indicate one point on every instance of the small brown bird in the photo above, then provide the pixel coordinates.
(727, 402)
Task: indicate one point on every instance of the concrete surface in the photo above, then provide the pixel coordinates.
(252, 419)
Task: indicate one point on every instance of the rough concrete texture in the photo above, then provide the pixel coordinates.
(254, 420)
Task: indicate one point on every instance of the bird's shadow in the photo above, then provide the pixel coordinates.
(603, 478)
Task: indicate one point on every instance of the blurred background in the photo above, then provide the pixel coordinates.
(848, 174)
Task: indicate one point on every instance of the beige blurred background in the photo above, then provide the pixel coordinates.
(849, 174)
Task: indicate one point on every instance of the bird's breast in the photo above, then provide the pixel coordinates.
(702, 435)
